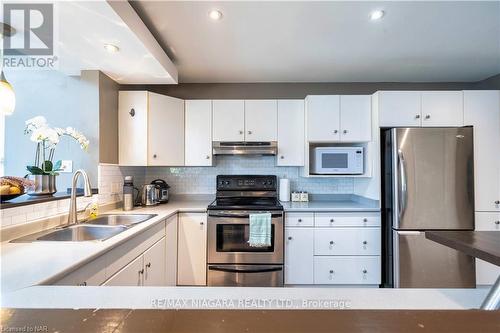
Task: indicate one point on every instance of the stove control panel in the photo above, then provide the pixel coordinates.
(250, 183)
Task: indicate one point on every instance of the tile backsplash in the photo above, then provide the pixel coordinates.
(201, 180)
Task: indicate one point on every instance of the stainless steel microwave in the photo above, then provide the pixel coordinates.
(337, 161)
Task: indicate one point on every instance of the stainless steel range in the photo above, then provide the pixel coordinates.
(231, 261)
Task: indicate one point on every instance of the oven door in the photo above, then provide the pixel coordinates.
(228, 234)
(245, 275)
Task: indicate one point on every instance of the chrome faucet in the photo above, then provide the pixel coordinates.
(87, 191)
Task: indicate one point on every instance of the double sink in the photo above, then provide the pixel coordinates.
(99, 228)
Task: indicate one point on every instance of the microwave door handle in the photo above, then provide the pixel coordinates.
(403, 186)
(244, 270)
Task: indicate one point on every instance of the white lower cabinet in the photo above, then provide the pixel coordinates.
(171, 230)
(486, 273)
(347, 270)
(333, 248)
(299, 251)
(192, 250)
(91, 274)
(130, 275)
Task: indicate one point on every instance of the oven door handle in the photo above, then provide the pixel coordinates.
(244, 270)
(240, 215)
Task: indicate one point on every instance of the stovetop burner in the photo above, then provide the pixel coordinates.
(246, 192)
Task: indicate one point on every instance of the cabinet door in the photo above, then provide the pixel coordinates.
(323, 118)
(92, 274)
(261, 120)
(198, 150)
(133, 127)
(192, 252)
(291, 139)
(166, 130)
(130, 275)
(228, 120)
(171, 251)
(486, 273)
(154, 265)
(356, 118)
(298, 256)
(399, 108)
(442, 108)
(482, 110)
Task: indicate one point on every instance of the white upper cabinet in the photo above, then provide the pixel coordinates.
(198, 148)
(133, 127)
(482, 111)
(323, 118)
(290, 133)
(261, 120)
(150, 129)
(228, 120)
(166, 130)
(442, 108)
(355, 118)
(399, 108)
(420, 108)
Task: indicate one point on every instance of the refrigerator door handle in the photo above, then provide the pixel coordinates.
(403, 188)
(410, 233)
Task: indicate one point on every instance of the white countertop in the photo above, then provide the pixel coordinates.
(328, 206)
(28, 264)
(241, 298)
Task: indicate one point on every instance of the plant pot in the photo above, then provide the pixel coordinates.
(43, 185)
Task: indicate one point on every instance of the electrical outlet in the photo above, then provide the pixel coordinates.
(66, 166)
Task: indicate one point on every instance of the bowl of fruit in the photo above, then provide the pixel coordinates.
(12, 187)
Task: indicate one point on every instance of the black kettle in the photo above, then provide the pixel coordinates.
(161, 190)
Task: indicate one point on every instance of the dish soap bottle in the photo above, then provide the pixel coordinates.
(94, 207)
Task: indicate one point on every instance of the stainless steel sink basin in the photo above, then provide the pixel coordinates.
(100, 228)
(79, 233)
(117, 219)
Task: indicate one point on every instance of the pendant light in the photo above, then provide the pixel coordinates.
(7, 95)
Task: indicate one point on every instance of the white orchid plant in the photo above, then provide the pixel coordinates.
(46, 139)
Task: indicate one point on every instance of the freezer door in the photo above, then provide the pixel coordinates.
(422, 263)
(433, 178)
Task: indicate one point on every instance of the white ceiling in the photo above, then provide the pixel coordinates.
(328, 41)
(85, 26)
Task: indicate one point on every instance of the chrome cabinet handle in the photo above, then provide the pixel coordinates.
(299, 220)
(345, 131)
(83, 284)
(332, 242)
(155, 156)
(365, 220)
(202, 223)
(365, 271)
(417, 116)
(141, 271)
(497, 222)
(428, 116)
(131, 112)
(290, 238)
(282, 157)
(403, 189)
(335, 131)
(365, 242)
(249, 132)
(332, 271)
(332, 220)
(208, 157)
(497, 202)
(241, 132)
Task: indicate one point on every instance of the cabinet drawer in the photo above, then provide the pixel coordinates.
(347, 270)
(299, 219)
(346, 241)
(347, 219)
(487, 221)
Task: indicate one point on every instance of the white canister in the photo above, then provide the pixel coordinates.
(284, 189)
(295, 196)
(304, 196)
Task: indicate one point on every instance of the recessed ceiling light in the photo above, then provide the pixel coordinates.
(377, 15)
(111, 48)
(215, 15)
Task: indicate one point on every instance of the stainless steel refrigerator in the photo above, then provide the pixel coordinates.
(428, 184)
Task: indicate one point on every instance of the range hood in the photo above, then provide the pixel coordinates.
(245, 148)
